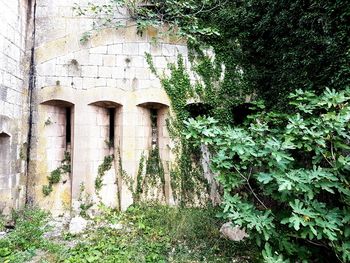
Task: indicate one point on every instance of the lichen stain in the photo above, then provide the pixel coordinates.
(66, 198)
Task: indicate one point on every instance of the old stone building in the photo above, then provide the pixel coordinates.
(72, 113)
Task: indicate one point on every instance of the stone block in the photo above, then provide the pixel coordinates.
(82, 56)
(115, 49)
(160, 62)
(142, 73)
(124, 84)
(98, 50)
(89, 71)
(77, 83)
(109, 60)
(119, 72)
(105, 72)
(123, 61)
(168, 50)
(138, 62)
(112, 83)
(88, 82)
(95, 59)
(130, 48)
(144, 48)
(156, 50)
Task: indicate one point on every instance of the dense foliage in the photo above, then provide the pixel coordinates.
(281, 46)
(285, 177)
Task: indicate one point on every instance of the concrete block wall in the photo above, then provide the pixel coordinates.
(110, 69)
(14, 68)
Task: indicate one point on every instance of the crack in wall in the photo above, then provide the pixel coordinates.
(31, 86)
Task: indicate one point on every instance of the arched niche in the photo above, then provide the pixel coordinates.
(55, 144)
(104, 140)
(58, 103)
(198, 109)
(4, 135)
(152, 105)
(59, 117)
(108, 123)
(106, 104)
(5, 161)
(153, 141)
(241, 112)
(153, 123)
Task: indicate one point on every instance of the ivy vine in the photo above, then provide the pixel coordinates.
(105, 166)
(56, 175)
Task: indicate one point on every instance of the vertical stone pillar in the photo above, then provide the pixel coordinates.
(128, 150)
(81, 152)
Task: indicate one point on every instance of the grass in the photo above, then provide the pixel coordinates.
(146, 234)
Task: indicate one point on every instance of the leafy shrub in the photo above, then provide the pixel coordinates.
(285, 176)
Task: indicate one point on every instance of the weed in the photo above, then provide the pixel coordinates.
(21, 244)
(85, 201)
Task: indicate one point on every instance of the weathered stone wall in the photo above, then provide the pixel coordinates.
(14, 68)
(110, 70)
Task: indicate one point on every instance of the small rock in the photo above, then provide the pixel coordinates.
(2, 234)
(233, 233)
(77, 225)
(116, 226)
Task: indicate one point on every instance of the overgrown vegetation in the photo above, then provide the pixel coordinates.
(144, 233)
(180, 16)
(85, 201)
(150, 179)
(286, 176)
(56, 175)
(158, 234)
(187, 182)
(21, 244)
